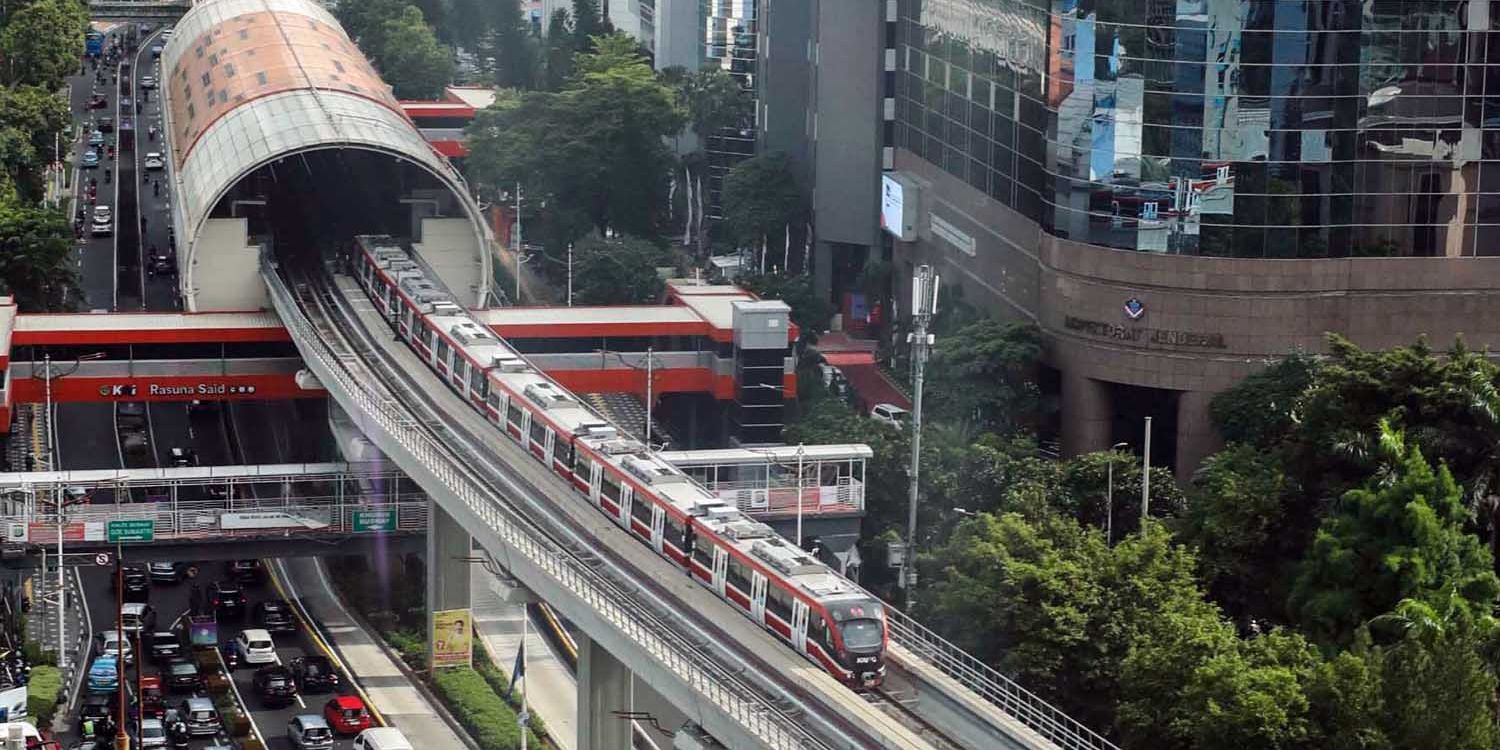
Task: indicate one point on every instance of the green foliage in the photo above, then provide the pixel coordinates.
(588, 23)
(984, 375)
(1438, 689)
(593, 152)
(41, 43)
(365, 22)
(487, 719)
(36, 246)
(811, 311)
(1084, 490)
(31, 119)
(43, 692)
(712, 98)
(558, 54)
(1388, 541)
(761, 197)
(619, 271)
(499, 683)
(515, 50)
(1259, 410)
(411, 60)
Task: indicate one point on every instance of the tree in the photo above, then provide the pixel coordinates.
(1084, 491)
(31, 119)
(588, 22)
(558, 56)
(365, 22)
(810, 311)
(713, 101)
(36, 256)
(42, 42)
(1391, 540)
(985, 375)
(1438, 687)
(1259, 410)
(413, 62)
(761, 198)
(514, 50)
(620, 271)
(1240, 517)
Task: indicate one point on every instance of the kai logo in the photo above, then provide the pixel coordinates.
(117, 391)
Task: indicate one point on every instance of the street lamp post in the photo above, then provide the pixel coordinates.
(1109, 495)
(924, 292)
(1146, 477)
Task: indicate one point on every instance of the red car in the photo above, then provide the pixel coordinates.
(152, 701)
(347, 715)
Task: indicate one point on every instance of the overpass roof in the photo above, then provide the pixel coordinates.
(147, 328)
(249, 81)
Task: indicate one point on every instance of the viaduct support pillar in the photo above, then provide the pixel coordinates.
(448, 550)
(603, 687)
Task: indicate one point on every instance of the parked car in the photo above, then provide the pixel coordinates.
(183, 676)
(104, 675)
(111, 643)
(227, 600)
(163, 646)
(890, 414)
(275, 685)
(247, 572)
(309, 732)
(315, 674)
(275, 615)
(164, 572)
(200, 716)
(347, 714)
(137, 617)
(255, 646)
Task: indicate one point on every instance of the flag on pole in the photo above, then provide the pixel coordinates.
(518, 672)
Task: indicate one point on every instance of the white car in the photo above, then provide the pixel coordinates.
(103, 224)
(890, 414)
(154, 161)
(153, 734)
(255, 647)
(109, 643)
(103, 212)
(148, 82)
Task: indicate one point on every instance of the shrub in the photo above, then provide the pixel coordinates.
(499, 683)
(478, 708)
(42, 693)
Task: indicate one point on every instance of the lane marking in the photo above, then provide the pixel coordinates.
(295, 599)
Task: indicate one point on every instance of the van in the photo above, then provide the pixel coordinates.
(381, 738)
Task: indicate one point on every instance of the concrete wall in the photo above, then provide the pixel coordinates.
(846, 99)
(1207, 322)
(784, 86)
(225, 272)
(679, 35)
(450, 247)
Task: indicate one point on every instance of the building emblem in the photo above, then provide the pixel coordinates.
(1134, 308)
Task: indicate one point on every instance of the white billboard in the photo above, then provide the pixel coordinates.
(274, 519)
(893, 207)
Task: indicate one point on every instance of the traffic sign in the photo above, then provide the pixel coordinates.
(101, 559)
(375, 520)
(134, 530)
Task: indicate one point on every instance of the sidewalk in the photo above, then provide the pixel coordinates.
(389, 691)
(550, 689)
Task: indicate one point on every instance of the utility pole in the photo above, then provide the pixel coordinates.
(1146, 477)
(122, 735)
(924, 294)
(650, 376)
(570, 274)
(518, 243)
(800, 454)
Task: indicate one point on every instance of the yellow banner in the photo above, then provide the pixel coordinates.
(452, 638)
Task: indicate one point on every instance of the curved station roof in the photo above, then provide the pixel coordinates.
(246, 82)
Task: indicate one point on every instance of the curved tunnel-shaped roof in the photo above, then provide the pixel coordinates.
(247, 82)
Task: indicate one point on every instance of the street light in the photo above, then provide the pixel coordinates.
(801, 454)
(1109, 495)
(650, 381)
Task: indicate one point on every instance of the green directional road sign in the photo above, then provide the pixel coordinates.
(375, 520)
(134, 530)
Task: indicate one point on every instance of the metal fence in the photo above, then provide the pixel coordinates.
(203, 520)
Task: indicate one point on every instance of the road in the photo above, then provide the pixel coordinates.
(153, 191)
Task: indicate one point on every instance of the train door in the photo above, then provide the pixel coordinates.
(658, 518)
(595, 471)
(406, 318)
(525, 429)
(390, 303)
(721, 570)
(548, 445)
(758, 597)
(799, 624)
(627, 499)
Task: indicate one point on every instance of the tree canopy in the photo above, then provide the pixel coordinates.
(761, 198)
(412, 61)
(42, 41)
(36, 249)
(620, 271)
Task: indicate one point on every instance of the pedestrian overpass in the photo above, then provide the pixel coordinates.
(126, 10)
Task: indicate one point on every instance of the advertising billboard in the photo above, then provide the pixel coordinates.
(898, 207)
(452, 638)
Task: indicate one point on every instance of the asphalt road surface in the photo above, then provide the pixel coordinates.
(153, 192)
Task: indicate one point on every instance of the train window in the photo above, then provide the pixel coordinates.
(779, 602)
(493, 397)
(538, 432)
(704, 554)
(673, 529)
(610, 488)
(739, 575)
(582, 466)
(514, 414)
(442, 350)
(640, 510)
(563, 453)
(817, 630)
(460, 371)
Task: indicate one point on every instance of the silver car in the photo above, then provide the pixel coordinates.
(309, 732)
(153, 734)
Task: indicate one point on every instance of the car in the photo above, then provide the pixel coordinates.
(184, 457)
(153, 701)
(275, 615)
(102, 227)
(128, 413)
(134, 578)
(126, 104)
(145, 28)
(104, 675)
(137, 617)
(347, 714)
(315, 674)
(226, 599)
(248, 572)
(93, 707)
(153, 734)
(255, 646)
(96, 138)
(75, 495)
(200, 716)
(148, 82)
(156, 50)
(183, 676)
(106, 124)
(98, 101)
(89, 160)
(309, 732)
(275, 685)
(164, 265)
(111, 643)
(890, 414)
(164, 572)
(163, 646)
(154, 161)
(167, 33)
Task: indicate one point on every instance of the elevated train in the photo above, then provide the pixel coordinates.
(825, 617)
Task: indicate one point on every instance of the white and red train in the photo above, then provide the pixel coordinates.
(822, 615)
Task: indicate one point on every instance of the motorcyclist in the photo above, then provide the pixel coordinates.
(179, 734)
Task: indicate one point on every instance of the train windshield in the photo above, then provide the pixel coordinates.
(862, 633)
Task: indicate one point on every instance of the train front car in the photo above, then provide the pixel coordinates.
(862, 638)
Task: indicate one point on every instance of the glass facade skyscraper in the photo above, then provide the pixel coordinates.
(1241, 128)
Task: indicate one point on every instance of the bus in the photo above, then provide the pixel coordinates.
(94, 42)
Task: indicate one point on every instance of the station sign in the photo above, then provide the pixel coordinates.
(208, 387)
(164, 390)
(374, 520)
(133, 530)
